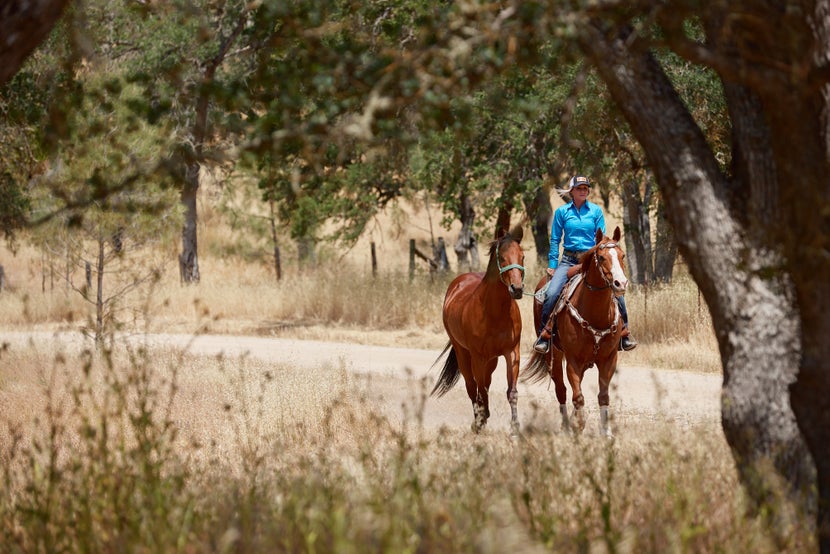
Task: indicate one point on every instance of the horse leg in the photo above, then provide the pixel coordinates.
(575, 379)
(465, 368)
(479, 415)
(512, 362)
(483, 373)
(606, 371)
(557, 374)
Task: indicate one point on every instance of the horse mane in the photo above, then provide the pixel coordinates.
(586, 257)
(495, 243)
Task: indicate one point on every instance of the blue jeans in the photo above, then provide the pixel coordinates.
(557, 283)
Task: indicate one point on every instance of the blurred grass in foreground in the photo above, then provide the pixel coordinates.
(161, 451)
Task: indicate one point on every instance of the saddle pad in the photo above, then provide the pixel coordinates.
(539, 295)
(567, 292)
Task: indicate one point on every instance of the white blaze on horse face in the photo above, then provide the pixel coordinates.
(620, 282)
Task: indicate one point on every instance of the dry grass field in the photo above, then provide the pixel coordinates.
(142, 448)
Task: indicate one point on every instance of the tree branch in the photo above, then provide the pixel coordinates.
(23, 26)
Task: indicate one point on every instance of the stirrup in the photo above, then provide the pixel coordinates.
(542, 344)
(628, 343)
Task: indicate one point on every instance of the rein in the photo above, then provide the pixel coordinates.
(599, 267)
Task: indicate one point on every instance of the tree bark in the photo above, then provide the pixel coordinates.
(465, 247)
(23, 26)
(752, 309)
(306, 256)
(99, 295)
(540, 212)
(665, 247)
(637, 231)
(189, 257)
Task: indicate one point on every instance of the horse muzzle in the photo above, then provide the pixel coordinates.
(516, 292)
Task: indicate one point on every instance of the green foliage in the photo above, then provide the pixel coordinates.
(111, 166)
(344, 107)
(14, 206)
(107, 194)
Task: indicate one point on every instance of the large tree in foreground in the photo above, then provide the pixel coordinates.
(23, 26)
(756, 238)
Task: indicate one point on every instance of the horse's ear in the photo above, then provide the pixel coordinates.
(500, 232)
(517, 232)
(617, 234)
(598, 237)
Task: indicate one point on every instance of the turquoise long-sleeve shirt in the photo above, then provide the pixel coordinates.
(575, 229)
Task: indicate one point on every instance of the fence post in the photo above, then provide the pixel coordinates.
(411, 259)
(374, 261)
(439, 253)
(88, 275)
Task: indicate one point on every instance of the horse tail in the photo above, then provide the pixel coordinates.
(536, 368)
(449, 374)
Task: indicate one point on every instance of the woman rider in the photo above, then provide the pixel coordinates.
(574, 224)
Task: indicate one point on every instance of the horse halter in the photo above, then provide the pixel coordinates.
(508, 268)
(608, 282)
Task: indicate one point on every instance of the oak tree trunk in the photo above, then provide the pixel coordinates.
(465, 247)
(637, 231)
(189, 257)
(735, 264)
(665, 247)
(540, 212)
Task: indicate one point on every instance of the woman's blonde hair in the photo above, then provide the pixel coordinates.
(565, 193)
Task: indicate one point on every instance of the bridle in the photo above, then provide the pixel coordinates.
(598, 334)
(608, 281)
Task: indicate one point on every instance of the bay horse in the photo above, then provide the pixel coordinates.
(483, 322)
(589, 329)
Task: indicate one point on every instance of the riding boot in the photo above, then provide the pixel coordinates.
(542, 344)
(627, 342)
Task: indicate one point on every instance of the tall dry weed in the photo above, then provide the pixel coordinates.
(145, 449)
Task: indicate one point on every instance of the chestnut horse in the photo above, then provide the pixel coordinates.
(589, 328)
(483, 321)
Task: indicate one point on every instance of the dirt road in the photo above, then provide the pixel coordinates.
(394, 378)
